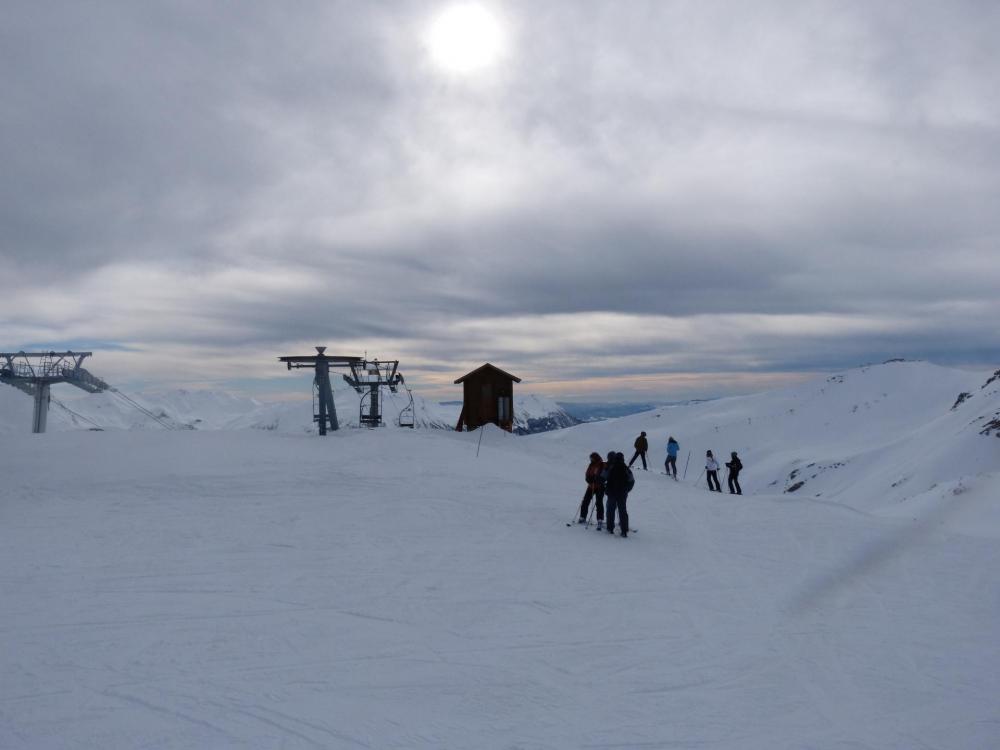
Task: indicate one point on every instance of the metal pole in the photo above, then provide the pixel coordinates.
(686, 465)
(322, 401)
(41, 413)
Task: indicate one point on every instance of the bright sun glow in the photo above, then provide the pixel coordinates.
(465, 38)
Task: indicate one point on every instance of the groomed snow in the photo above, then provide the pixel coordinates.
(390, 589)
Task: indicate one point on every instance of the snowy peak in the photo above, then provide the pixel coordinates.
(989, 393)
(533, 413)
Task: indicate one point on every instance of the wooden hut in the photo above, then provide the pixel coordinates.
(488, 396)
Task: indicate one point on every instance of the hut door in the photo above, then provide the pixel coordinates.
(503, 409)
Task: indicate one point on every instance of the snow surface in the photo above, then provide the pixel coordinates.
(392, 589)
(213, 410)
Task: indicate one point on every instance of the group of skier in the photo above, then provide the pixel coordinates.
(613, 478)
(734, 465)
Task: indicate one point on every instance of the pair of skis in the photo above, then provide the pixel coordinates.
(598, 527)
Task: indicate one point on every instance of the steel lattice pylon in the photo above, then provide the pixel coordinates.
(371, 375)
(36, 372)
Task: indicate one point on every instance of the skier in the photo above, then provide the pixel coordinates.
(734, 466)
(672, 447)
(619, 484)
(607, 467)
(641, 446)
(712, 472)
(595, 489)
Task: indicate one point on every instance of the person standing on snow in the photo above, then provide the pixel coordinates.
(595, 489)
(712, 472)
(641, 446)
(619, 484)
(672, 447)
(607, 467)
(734, 466)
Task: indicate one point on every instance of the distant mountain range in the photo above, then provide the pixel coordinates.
(217, 410)
(596, 411)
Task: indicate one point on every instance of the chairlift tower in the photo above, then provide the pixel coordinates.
(326, 413)
(367, 377)
(36, 372)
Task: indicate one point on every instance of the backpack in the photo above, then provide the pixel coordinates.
(629, 479)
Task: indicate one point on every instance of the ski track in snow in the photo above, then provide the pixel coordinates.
(259, 590)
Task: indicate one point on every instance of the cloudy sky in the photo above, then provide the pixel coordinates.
(613, 200)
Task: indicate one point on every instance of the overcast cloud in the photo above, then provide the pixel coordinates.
(637, 199)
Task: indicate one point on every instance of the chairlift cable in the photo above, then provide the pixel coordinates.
(142, 409)
(76, 414)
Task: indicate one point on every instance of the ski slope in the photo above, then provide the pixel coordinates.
(392, 589)
(883, 439)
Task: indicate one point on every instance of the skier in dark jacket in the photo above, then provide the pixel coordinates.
(620, 482)
(595, 489)
(672, 447)
(734, 466)
(641, 446)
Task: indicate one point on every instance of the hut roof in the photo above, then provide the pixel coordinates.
(491, 367)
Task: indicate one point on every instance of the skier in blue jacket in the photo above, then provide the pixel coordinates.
(672, 447)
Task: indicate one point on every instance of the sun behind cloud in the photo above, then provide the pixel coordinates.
(465, 38)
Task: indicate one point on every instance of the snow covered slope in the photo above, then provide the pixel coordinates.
(71, 409)
(882, 437)
(297, 416)
(390, 589)
(214, 410)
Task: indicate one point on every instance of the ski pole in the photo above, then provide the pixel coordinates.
(699, 476)
(576, 515)
(686, 465)
(482, 431)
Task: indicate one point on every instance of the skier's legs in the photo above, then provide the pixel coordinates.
(609, 512)
(585, 505)
(599, 504)
(623, 514)
(672, 464)
(634, 458)
(734, 485)
(713, 481)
